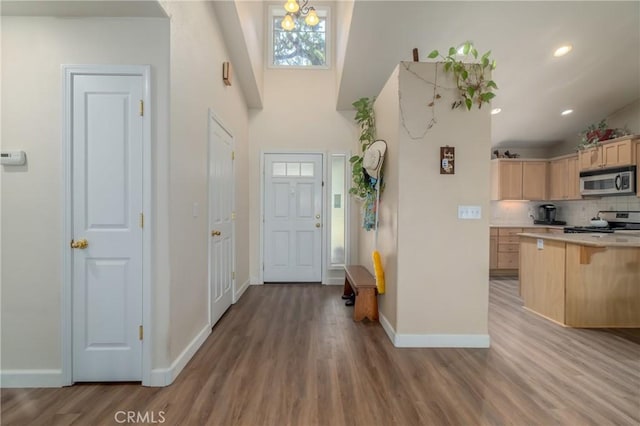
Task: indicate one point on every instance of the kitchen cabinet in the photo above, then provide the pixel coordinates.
(613, 153)
(518, 179)
(504, 249)
(564, 178)
(493, 248)
(638, 174)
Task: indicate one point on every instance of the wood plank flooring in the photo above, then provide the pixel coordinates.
(291, 355)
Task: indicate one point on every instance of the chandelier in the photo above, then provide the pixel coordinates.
(294, 9)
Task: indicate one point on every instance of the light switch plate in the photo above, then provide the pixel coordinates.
(540, 243)
(469, 212)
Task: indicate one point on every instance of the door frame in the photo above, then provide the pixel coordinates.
(213, 116)
(66, 305)
(325, 221)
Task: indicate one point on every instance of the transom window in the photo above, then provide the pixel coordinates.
(303, 47)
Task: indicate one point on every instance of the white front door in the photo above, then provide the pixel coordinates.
(107, 153)
(221, 275)
(292, 218)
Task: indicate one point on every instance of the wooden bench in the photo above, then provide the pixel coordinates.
(360, 282)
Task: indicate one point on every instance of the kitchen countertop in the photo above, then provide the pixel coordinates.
(630, 239)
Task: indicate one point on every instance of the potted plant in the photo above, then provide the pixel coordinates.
(596, 133)
(365, 118)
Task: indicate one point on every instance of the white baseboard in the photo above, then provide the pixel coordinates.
(386, 325)
(31, 379)
(434, 340)
(240, 291)
(442, 341)
(165, 376)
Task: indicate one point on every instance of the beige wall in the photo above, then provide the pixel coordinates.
(387, 127)
(197, 53)
(299, 114)
(443, 261)
(439, 276)
(33, 49)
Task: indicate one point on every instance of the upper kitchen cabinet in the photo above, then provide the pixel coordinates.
(564, 178)
(518, 179)
(612, 153)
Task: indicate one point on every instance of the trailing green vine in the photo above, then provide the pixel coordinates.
(365, 118)
(471, 77)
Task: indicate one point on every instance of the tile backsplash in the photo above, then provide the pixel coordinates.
(575, 213)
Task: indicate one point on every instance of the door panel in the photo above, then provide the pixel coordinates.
(292, 221)
(107, 135)
(220, 219)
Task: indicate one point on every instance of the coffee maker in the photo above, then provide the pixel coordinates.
(547, 215)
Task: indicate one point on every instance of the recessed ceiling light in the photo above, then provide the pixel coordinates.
(562, 50)
(567, 112)
(496, 111)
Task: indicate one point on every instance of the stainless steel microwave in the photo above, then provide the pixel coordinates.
(616, 181)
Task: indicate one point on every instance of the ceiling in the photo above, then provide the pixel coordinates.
(600, 76)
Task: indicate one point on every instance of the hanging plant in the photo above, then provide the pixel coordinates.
(471, 77)
(366, 120)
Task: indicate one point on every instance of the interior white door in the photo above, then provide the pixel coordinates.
(292, 218)
(221, 243)
(107, 143)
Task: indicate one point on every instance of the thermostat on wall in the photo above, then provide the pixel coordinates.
(13, 158)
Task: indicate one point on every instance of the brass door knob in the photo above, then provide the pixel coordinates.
(318, 225)
(80, 244)
(215, 233)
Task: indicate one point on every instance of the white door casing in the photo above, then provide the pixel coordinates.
(221, 238)
(293, 220)
(107, 150)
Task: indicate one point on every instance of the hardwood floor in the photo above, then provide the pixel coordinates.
(291, 355)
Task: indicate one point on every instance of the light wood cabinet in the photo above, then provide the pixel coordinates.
(564, 179)
(518, 179)
(493, 248)
(638, 174)
(534, 180)
(504, 249)
(618, 152)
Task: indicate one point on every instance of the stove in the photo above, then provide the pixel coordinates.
(617, 221)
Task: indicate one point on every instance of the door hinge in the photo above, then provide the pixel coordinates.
(233, 215)
(141, 108)
(141, 220)
(322, 183)
(140, 332)
(233, 275)
(233, 155)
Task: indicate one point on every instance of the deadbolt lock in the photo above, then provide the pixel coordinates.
(318, 225)
(215, 233)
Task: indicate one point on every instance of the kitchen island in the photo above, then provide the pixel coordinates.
(582, 280)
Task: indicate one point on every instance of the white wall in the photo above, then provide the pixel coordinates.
(33, 50)
(197, 53)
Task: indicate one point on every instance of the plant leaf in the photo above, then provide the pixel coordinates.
(493, 65)
(433, 54)
(452, 51)
(354, 158)
(466, 48)
(464, 74)
(492, 83)
(474, 52)
(471, 91)
(447, 66)
(486, 97)
(485, 62)
(468, 102)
